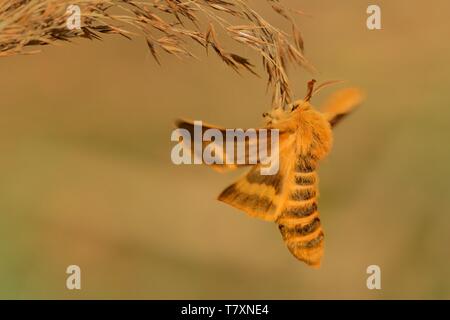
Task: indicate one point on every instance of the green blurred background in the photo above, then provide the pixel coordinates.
(86, 176)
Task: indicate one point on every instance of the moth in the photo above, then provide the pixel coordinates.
(289, 198)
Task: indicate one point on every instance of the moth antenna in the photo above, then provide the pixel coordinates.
(310, 91)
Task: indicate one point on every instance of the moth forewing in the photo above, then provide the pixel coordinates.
(258, 194)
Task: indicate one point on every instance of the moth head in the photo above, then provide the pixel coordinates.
(276, 115)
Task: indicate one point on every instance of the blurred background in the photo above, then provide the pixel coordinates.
(86, 176)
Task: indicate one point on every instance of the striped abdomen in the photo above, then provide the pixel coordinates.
(299, 221)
